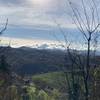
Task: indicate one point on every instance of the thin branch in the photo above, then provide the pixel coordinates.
(81, 19)
(1, 32)
(58, 25)
(96, 11)
(95, 28)
(86, 15)
(78, 17)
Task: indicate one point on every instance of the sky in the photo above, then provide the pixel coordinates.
(35, 20)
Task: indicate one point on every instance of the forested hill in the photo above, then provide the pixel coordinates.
(26, 60)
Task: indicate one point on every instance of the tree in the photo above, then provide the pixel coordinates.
(88, 27)
(5, 27)
(87, 22)
(4, 66)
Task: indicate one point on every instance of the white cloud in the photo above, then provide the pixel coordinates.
(41, 44)
(23, 14)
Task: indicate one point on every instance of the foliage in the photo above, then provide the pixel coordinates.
(4, 67)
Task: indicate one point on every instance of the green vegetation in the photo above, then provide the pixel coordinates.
(54, 84)
(53, 79)
(45, 85)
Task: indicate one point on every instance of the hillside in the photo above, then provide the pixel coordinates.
(31, 61)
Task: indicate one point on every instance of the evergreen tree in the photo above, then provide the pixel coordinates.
(4, 67)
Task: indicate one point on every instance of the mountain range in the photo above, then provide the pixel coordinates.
(25, 60)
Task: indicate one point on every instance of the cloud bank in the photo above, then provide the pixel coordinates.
(31, 20)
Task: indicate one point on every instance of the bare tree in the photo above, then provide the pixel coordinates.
(3, 30)
(72, 80)
(5, 27)
(88, 27)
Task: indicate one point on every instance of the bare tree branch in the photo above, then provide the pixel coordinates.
(1, 32)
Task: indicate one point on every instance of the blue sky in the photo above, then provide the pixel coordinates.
(35, 19)
(31, 19)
